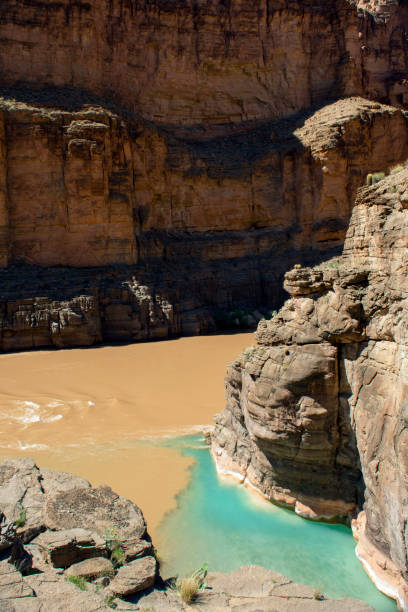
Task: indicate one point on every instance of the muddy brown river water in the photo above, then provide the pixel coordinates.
(89, 411)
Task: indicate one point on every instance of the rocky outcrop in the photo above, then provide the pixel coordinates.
(195, 222)
(252, 589)
(68, 530)
(248, 589)
(315, 411)
(80, 527)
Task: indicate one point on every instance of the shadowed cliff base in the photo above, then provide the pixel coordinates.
(63, 307)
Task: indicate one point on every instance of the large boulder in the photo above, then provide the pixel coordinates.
(136, 576)
(64, 547)
(91, 568)
(99, 510)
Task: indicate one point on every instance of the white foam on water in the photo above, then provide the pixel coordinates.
(55, 404)
(27, 412)
(24, 447)
(32, 404)
(30, 413)
(57, 417)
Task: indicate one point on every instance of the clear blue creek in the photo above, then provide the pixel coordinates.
(224, 524)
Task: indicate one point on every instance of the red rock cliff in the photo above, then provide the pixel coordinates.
(199, 144)
(208, 61)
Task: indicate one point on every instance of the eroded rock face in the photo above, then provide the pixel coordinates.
(323, 393)
(194, 221)
(97, 187)
(213, 63)
(202, 147)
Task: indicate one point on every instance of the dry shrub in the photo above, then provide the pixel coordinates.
(188, 587)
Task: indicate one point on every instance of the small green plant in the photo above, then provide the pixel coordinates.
(110, 535)
(79, 581)
(374, 177)
(318, 595)
(188, 587)
(117, 556)
(114, 546)
(110, 601)
(21, 521)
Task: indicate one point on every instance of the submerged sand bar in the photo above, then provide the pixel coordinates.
(83, 410)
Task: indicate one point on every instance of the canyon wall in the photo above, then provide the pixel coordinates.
(162, 160)
(89, 188)
(192, 222)
(316, 411)
(209, 61)
(204, 148)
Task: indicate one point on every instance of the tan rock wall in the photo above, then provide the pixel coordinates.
(69, 199)
(83, 188)
(211, 62)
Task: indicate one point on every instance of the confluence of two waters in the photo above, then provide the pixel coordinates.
(225, 525)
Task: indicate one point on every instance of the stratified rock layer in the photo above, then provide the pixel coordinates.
(199, 144)
(212, 62)
(93, 187)
(321, 400)
(194, 221)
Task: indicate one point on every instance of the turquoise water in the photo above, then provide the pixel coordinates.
(221, 523)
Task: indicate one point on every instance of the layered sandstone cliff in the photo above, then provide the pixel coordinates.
(193, 222)
(198, 146)
(316, 411)
(209, 62)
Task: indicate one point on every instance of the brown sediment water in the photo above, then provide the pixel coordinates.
(87, 411)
